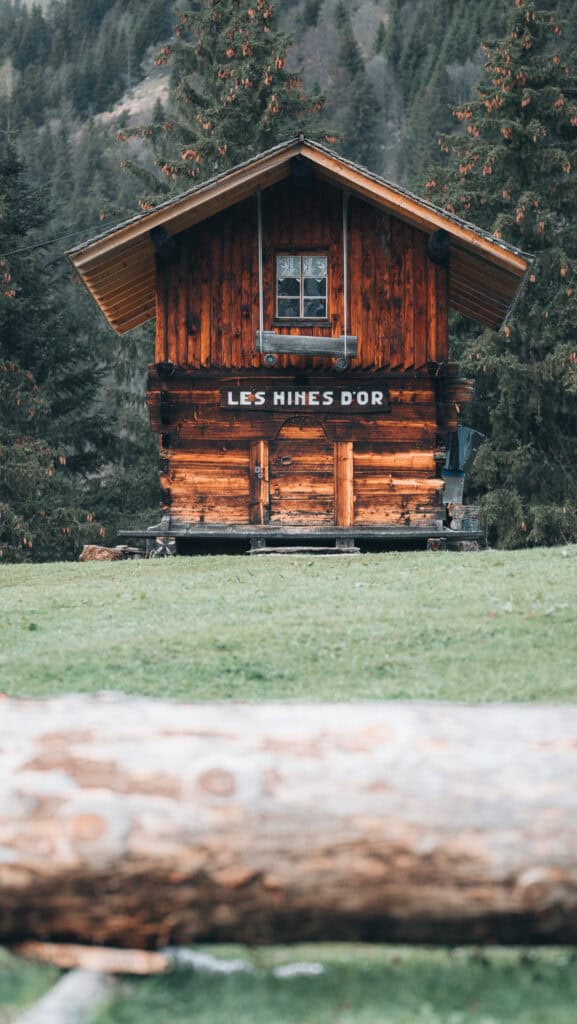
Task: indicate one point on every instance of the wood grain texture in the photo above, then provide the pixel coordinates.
(391, 822)
(394, 310)
(344, 483)
(259, 483)
(319, 466)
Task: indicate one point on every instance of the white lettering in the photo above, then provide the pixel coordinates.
(347, 398)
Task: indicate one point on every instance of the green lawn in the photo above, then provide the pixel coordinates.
(487, 626)
(363, 985)
(438, 625)
(21, 984)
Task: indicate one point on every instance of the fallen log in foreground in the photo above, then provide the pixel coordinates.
(138, 823)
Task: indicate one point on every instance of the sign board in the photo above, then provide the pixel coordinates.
(359, 399)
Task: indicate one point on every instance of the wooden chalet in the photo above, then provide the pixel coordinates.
(302, 385)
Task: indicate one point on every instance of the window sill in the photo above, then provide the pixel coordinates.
(297, 322)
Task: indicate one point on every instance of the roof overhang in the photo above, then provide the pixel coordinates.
(118, 267)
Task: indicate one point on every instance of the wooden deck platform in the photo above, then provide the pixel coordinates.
(177, 536)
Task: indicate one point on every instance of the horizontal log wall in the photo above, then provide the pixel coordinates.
(207, 287)
(139, 823)
(292, 469)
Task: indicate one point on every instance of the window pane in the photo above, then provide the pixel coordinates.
(315, 266)
(288, 272)
(314, 286)
(288, 266)
(289, 286)
(315, 307)
(289, 307)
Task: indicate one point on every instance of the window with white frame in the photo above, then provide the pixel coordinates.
(301, 286)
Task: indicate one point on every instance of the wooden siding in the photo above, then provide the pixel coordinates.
(207, 287)
(280, 467)
(485, 272)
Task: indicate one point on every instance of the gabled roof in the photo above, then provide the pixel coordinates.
(118, 266)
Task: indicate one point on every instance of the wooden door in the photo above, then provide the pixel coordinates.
(302, 478)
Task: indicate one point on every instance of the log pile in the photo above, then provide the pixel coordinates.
(143, 824)
(100, 553)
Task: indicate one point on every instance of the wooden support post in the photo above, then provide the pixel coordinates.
(344, 493)
(346, 544)
(259, 483)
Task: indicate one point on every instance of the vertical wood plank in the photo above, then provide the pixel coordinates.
(176, 327)
(383, 291)
(318, 216)
(408, 299)
(344, 491)
(259, 482)
(442, 290)
(368, 294)
(281, 222)
(192, 294)
(205, 258)
(249, 246)
(236, 288)
(161, 344)
(356, 320)
(227, 284)
(432, 327)
(254, 359)
(396, 335)
(335, 269)
(216, 245)
(273, 240)
(183, 294)
(421, 305)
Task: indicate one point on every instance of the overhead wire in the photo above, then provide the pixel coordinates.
(51, 241)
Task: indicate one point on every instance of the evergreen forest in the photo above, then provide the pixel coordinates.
(102, 107)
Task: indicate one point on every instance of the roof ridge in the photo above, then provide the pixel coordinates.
(300, 141)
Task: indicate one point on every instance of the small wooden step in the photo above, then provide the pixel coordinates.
(305, 550)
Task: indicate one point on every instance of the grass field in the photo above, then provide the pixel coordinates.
(21, 983)
(361, 985)
(371, 985)
(439, 625)
(474, 627)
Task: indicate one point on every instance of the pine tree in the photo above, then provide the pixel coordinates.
(514, 171)
(311, 11)
(380, 39)
(360, 110)
(392, 48)
(232, 93)
(48, 431)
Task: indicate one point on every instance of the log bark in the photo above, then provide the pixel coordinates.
(94, 959)
(137, 823)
